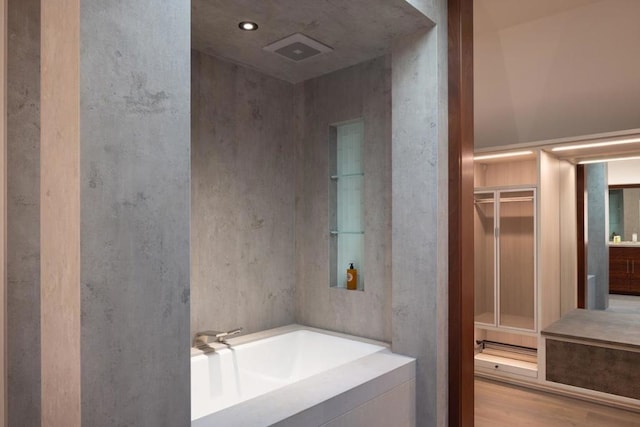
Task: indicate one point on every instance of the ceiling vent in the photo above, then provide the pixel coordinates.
(298, 47)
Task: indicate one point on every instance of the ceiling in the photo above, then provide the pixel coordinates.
(549, 69)
(601, 147)
(492, 15)
(596, 152)
(357, 30)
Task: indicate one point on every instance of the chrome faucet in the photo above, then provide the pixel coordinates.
(201, 339)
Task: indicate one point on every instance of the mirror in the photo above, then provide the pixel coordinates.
(624, 212)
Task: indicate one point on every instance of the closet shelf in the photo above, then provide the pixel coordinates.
(505, 200)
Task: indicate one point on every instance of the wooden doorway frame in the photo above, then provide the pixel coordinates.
(3, 213)
(581, 221)
(461, 334)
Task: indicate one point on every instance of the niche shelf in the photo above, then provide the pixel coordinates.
(346, 195)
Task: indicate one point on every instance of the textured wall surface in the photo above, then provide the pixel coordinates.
(609, 370)
(631, 214)
(60, 309)
(361, 91)
(597, 230)
(3, 212)
(242, 187)
(419, 217)
(23, 213)
(135, 204)
(214, 31)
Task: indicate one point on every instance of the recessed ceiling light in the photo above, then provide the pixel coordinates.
(503, 155)
(617, 159)
(248, 26)
(596, 144)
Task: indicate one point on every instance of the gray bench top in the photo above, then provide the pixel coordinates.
(598, 326)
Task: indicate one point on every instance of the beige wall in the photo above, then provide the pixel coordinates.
(631, 212)
(519, 172)
(624, 172)
(549, 244)
(568, 239)
(60, 220)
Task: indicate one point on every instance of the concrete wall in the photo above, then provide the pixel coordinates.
(597, 232)
(242, 163)
(3, 214)
(242, 203)
(362, 91)
(419, 225)
(135, 203)
(23, 213)
(116, 208)
(115, 213)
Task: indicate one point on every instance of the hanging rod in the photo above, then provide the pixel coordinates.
(495, 344)
(506, 200)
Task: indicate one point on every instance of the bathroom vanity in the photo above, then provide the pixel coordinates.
(624, 268)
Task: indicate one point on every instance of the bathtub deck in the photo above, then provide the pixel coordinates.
(330, 395)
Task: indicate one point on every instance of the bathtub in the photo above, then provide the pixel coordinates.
(301, 376)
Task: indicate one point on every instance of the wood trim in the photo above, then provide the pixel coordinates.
(3, 215)
(621, 186)
(60, 290)
(581, 220)
(461, 333)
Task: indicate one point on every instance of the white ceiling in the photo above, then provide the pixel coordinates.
(547, 69)
(492, 15)
(357, 30)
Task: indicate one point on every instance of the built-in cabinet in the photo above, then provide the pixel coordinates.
(505, 258)
(521, 285)
(624, 270)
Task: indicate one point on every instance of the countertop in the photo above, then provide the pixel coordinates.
(598, 326)
(625, 244)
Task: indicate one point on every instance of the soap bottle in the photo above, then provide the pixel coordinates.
(352, 278)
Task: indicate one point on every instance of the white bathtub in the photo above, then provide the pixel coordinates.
(290, 375)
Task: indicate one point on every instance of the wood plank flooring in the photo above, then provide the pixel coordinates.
(503, 405)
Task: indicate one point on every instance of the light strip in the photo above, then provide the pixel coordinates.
(617, 159)
(503, 155)
(596, 144)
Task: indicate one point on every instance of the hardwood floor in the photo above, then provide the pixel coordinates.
(502, 405)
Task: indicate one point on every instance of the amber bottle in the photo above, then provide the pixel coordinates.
(352, 278)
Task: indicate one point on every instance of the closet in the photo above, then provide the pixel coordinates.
(505, 258)
(518, 246)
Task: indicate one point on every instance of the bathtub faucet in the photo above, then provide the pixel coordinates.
(201, 339)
